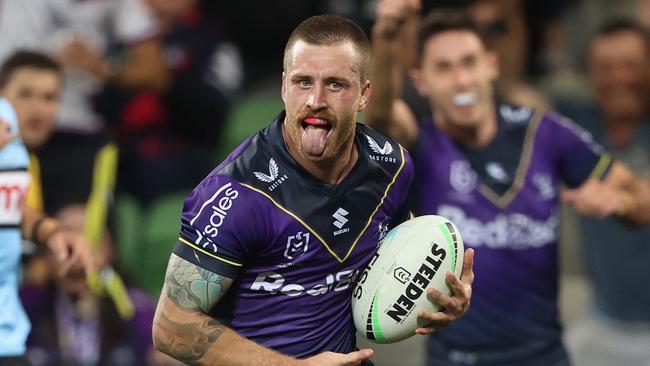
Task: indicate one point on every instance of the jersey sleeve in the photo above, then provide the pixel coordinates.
(219, 229)
(578, 156)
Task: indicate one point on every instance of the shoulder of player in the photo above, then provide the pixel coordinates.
(380, 148)
(228, 174)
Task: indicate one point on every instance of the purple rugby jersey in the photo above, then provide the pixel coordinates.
(293, 244)
(504, 199)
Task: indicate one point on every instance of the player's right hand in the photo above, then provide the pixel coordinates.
(5, 135)
(338, 359)
(391, 14)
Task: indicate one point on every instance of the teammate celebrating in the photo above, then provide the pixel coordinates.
(283, 226)
(494, 170)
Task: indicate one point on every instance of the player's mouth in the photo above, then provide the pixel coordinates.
(464, 99)
(315, 131)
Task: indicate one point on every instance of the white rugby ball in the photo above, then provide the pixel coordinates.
(391, 290)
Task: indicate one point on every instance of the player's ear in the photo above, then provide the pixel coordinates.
(284, 88)
(493, 64)
(418, 81)
(365, 95)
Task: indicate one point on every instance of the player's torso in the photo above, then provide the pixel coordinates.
(316, 237)
(504, 200)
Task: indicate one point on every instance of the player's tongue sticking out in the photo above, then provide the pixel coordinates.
(314, 134)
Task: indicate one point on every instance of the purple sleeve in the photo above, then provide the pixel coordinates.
(219, 227)
(578, 156)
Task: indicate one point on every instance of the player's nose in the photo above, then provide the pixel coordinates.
(317, 99)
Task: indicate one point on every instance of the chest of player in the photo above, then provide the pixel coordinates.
(302, 260)
(520, 213)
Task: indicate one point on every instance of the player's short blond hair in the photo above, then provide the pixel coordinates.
(328, 30)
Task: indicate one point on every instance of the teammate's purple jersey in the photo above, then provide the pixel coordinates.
(293, 243)
(504, 199)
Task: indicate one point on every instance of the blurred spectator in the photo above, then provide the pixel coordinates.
(617, 330)
(102, 41)
(168, 140)
(72, 326)
(70, 250)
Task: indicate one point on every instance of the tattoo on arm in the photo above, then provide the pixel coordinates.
(188, 342)
(193, 290)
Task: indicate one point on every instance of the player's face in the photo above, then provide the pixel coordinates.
(322, 93)
(34, 93)
(456, 74)
(620, 73)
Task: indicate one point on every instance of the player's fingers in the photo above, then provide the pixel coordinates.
(568, 196)
(444, 300)
(467, 275)
(354, 358)
(429, 317)
(458, 288)
(424, 331)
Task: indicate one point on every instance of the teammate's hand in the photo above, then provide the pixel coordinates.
(338, 359)
(71, 250)
(454, 305)
(5, 135)
(391, 14)
(79, 54)
(596, 199)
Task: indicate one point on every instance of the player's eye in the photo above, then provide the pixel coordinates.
(304, 83)
(336, 85)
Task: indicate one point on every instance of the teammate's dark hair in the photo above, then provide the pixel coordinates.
(21, 59)
(621, 25)
(444, 20)
(328, 30)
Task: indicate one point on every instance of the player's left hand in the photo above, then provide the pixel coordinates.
(71, 250)
(596, 199)
(454, 305)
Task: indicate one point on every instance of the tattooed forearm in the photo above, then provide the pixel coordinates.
(191, 287)
(182, 327)
(187, 342)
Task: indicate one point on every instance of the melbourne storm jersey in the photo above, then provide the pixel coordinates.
(504, 199)
(294, 244)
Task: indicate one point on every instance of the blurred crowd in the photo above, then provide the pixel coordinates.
(145, 96)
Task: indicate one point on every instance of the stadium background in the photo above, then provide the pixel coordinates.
(554, 48)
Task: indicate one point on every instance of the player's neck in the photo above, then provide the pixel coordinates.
(479, 135)
(331, 171)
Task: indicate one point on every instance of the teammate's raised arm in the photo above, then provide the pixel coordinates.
(386, 112)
